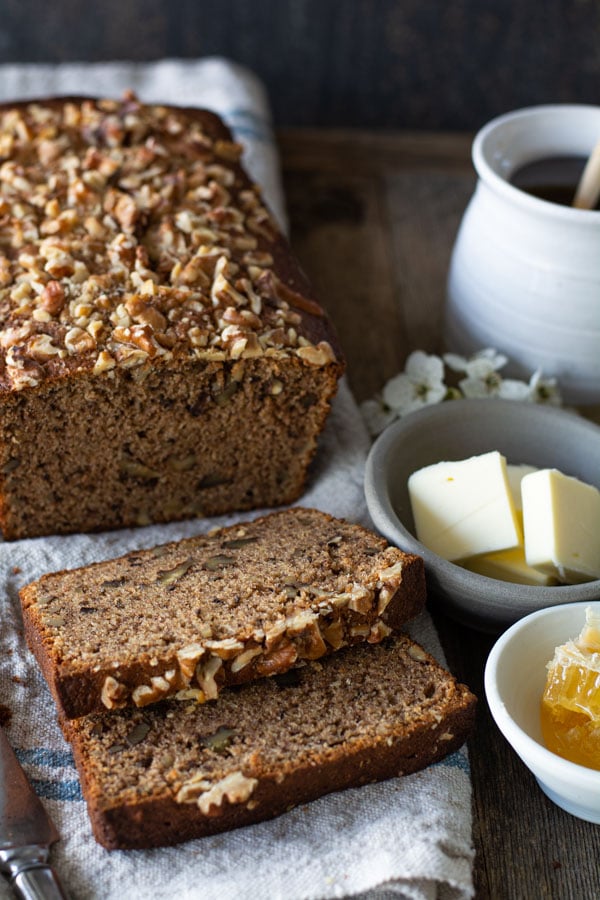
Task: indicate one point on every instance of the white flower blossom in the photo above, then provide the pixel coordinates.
(544, 390)
(483, 379)
(511, 389)
(377, 416)
(455, 362)
(489, 360)
(421, 384)
(491, 384)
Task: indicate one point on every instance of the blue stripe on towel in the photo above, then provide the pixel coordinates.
(52, 759)
(42, 756)
(57, 790)
(246, 123)
(456, 761)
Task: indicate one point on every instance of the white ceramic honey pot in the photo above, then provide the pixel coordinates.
(525, 273)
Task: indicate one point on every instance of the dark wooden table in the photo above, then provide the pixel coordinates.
(373, 220)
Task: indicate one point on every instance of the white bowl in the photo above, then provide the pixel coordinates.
(515, 675)
(542, 436)
(525, 273)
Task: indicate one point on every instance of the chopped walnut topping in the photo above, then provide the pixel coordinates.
(245, 658)
(378, 632)
(279, 659)
(362, 631)
(205, 676)
(52, 298)
(274, 634)
(389, 582)
(191, 694)
(41, 348)
(228, 648)
(361, 599)
(417, 653)
(317, 356)
(15, 335)
(188, 658)
(79, 341)
(304, 631)
(392, 573)
(127, 236)
(235, 787)
(160, 686)
(113, 694)
(104, 362)
(334, 634)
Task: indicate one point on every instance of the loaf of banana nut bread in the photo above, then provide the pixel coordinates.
(161, 353)
(178, 771)
(243, 602)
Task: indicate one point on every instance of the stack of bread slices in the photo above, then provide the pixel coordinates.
(220, 680)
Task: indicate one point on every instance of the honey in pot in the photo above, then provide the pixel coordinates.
(554, 179)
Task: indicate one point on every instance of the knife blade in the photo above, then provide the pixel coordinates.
(26, 833)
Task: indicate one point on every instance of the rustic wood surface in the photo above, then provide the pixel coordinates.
(373, 220)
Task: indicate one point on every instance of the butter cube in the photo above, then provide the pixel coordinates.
(508, 565)
(464, 508)
(516, 474)
(511, 565)
(561, 521)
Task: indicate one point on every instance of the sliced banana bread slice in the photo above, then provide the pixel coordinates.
(178, 771)
(243, 602)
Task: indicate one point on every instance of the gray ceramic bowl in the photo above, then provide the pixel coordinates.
(542, 436)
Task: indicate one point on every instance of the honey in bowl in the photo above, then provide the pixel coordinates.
(554, 179)
(570, 709)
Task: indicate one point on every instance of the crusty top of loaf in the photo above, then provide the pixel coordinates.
(131, 236)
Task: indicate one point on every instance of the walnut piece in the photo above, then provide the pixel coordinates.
(188, 658)
(160, 686)
(205, 676)
(113, 693)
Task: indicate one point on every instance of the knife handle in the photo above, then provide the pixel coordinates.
(29, 873)
(38, 883)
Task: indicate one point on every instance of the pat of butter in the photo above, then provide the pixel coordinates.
(464, 508)
(508, 565)
(511, 565)
(515, 475)
(561, 520)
